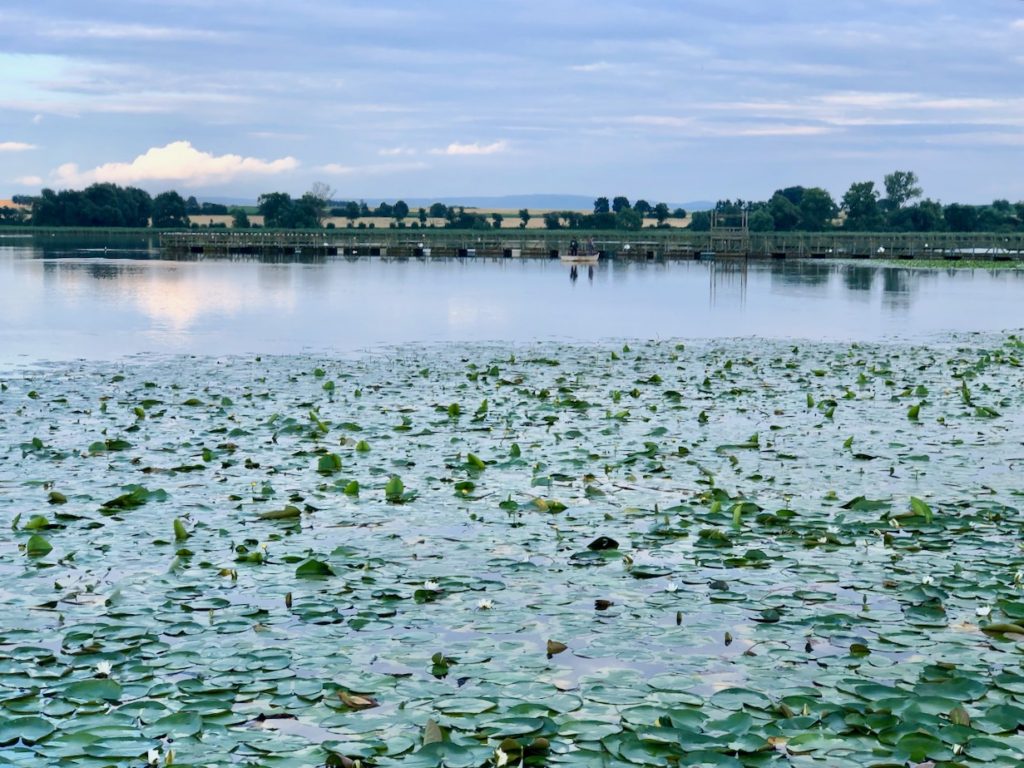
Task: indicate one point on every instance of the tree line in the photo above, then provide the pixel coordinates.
(898, 206)
(864, 208)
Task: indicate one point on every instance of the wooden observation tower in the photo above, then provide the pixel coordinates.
(730, 234)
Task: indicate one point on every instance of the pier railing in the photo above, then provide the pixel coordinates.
(643, 244)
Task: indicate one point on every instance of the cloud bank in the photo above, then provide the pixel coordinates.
(180, 162)
(15, 146)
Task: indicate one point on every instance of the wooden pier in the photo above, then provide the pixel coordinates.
(641, 245)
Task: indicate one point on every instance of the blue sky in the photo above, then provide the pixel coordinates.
(668, 100)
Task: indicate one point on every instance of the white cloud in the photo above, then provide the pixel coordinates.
(29, 181)
(396, 151)
(661, 121)
(144, 32)
(15, 146)
(475, 148)
(783, 130)
(178, 161)
(597, 66)
(337, 169)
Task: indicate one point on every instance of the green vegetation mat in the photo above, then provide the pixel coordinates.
(740, 553)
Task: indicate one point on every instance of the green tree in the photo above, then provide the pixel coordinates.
(309, 212)
(925, 216)
(552, 220)
(277, 210)
(601, 205)
(421, 214)
(239, 218)
(318, 200)
(679, 213)
(761, 221)
(817, 209)
(169, 211)
(795, 194)
(12, 215)
(660, 212)
(524, 216)
(961, 218)
(192, 206)
(784, 212)
(861, 205)
(998, 217)
(900, 188)
(628, 219)
(620, 204)
(401, 210)
(351, 210)
(498, 219)
(642, 207)
(438, 211)
(700, 221)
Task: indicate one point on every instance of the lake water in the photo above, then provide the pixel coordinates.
(83, 302)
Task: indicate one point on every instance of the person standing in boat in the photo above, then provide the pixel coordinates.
(574, 247)
(591, 248)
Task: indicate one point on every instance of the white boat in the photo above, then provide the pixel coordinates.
(580, 258)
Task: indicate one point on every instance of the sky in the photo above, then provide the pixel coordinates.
(670, 100)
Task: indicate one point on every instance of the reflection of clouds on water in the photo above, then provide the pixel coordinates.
(71, 307)
(175, 297)
(466, 313)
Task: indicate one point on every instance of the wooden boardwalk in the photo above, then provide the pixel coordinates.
(644, 244)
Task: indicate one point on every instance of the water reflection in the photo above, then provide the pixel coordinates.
(858, 279)
(727, 281)
(71, 306)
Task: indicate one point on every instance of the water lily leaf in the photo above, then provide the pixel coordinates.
(289, 512)
(177, 725)
(313, 568)
(738, 698)
(93, 690)
(432, 733)
(356, 701)
(37, 546)
(554, 647)
(29, 729)
(328, 464)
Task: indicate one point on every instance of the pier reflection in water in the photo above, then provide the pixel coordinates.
(108, 305)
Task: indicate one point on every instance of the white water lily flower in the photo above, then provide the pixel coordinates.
(926, 580)
(104, 668)
(983, 611)
(433, 586)
(823, 539)
(152, 757)
(1018, 578)
(500, 758)
(671, 587)
(485, 605)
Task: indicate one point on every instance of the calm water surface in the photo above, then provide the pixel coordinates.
(84, 303)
